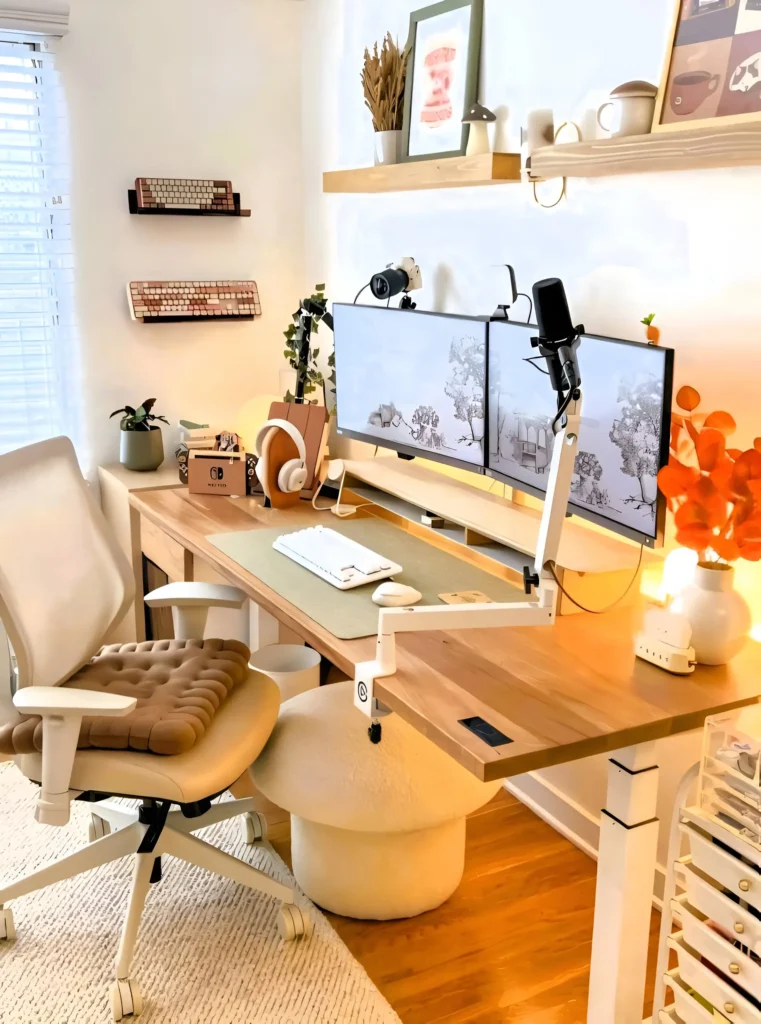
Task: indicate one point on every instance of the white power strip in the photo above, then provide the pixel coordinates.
(665, 642)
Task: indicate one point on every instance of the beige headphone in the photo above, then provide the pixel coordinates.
(293, 475)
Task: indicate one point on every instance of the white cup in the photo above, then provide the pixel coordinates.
(633, 108)
(294, 668)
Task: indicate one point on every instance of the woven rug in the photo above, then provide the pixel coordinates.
(208, 953)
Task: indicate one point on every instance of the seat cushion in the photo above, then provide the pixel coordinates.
(320, 765)
(180, 685)
(234, 740)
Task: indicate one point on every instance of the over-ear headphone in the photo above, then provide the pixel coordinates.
(293, 475)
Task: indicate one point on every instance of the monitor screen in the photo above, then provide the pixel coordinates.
(625, 426)
(413, 382)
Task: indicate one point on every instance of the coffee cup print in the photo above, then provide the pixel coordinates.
(439, 66)
(690, 89)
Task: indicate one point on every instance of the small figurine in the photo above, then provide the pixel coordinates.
(479, 118)
(653, 332)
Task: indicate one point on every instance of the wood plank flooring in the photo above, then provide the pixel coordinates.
(512, 946)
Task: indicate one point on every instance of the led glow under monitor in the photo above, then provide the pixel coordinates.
(413, 382)
(625, 427)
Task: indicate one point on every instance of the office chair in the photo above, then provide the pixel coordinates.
(89, 722)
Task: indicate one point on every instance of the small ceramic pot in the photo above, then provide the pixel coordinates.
(142, 450)
(633, 109)
(719, 616)
(388, 147)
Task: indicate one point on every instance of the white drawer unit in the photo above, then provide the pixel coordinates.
(735, 875)
(686, 1007)
(721, 994)
(732, 963)
(741, 924)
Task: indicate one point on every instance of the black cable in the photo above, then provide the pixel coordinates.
(364, 286)
(523, 295)
(597, 611)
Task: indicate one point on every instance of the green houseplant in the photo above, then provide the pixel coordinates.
(142, 445)
(299, 352)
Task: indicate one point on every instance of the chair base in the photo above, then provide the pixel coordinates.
(176, 840)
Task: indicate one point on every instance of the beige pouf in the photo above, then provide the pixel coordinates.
(378, 831)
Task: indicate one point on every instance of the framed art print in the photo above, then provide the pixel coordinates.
(442, 85)
(713, 69)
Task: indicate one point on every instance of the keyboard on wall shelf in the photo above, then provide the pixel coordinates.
(334, 558)
(172, 301)
(184, 194)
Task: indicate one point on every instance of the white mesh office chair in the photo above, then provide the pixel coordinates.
(63, 583)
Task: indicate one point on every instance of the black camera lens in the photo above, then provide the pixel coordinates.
(389, 283)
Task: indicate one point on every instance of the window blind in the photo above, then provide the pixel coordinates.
(36, 287)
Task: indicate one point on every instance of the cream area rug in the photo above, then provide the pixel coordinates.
(208, 952)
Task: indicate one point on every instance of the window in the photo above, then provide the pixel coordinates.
(36, 336)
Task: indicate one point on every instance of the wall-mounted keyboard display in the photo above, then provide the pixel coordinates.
(192, 196)
(183, 301)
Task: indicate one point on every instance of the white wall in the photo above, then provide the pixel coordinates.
(182, 88)
(679, 245)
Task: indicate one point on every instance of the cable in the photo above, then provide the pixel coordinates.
(523, 295)
(597, 611)
(337, 503)
(363, 288)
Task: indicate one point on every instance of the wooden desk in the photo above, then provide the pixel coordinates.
(561, 694)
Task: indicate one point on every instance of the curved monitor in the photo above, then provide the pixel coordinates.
(414, 382)
(625, 428)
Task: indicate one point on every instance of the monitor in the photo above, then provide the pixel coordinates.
(625, 427)
(413, 382)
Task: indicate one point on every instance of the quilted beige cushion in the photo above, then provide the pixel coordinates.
(179, 685)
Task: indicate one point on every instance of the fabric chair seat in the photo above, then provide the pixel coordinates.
(240, 729)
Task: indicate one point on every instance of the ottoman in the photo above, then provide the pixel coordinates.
(377, 831)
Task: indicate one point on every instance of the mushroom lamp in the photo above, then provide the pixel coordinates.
(479, 118)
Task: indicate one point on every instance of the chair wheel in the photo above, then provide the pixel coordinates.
(126, 1000)
(97, 828)
(7, 927)
(254, 828)
(293, 923)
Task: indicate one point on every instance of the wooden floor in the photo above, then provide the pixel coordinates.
(512, 946)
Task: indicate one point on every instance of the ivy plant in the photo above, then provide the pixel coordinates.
(300, 353)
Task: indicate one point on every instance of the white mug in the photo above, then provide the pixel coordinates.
(633, 109)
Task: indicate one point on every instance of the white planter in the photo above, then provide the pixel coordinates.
(719, 616)
(294, 668)
(388, 147)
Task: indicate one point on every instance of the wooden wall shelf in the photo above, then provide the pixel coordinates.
(686, 150)
(452, 172)
(146, 212)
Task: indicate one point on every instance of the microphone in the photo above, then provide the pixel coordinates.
(552, 313)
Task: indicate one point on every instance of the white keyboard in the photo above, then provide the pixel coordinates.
(334, 558)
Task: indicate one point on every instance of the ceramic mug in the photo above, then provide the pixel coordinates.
(632, 115)
(691, 89)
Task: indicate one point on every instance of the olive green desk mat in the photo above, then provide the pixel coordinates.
(350, 614)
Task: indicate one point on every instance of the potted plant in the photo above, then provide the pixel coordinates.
(142, 446)
(300, 354)
(714, 492)
(383, 77)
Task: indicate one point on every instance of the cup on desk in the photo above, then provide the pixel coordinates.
(294, 668)
(632, 107)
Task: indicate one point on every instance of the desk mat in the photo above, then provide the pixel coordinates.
(350, 614)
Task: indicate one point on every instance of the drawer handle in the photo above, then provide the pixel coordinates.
(734, 968)
(729, 1007)
(744, 885)
(739, 927)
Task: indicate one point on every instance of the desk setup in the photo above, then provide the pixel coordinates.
(484, 683)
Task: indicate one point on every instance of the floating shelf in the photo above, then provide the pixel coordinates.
(451, 172)
(151, 212)
(685, 150)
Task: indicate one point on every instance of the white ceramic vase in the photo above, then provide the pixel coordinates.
(719, 616)
(388, 147)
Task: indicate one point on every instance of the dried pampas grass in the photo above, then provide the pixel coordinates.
(383, 77)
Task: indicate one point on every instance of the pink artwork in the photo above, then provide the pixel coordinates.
(167, 301)
(440, 68)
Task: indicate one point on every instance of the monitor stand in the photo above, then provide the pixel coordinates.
(595, 567)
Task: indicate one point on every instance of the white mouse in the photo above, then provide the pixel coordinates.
(396, 595)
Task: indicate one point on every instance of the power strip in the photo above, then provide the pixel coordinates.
(679, 660)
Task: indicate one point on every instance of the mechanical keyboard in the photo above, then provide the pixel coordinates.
(334, 558)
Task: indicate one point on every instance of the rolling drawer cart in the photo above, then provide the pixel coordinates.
(710, 969)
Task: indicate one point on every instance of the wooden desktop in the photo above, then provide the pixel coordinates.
(560, 694)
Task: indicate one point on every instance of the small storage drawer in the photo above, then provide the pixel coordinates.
(719, 993)
(735, 965)
(740, 878)
(740, 924)
(688, 1009)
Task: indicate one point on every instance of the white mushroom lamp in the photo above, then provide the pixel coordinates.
(479, 118)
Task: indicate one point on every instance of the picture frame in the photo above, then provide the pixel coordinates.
(712, 71)
(442, 78)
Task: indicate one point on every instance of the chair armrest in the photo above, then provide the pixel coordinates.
(190, 603)
(62, 710)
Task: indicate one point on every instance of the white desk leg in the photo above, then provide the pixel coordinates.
(625, 877)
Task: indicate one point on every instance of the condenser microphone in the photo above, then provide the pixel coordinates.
(552, 313)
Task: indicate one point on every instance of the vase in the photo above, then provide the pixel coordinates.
(719, 616)
(142, 451)
(388, 147)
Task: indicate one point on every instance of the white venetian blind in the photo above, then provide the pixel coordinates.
(36, 337)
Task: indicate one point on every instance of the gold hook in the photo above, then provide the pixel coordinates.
(563, 191)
